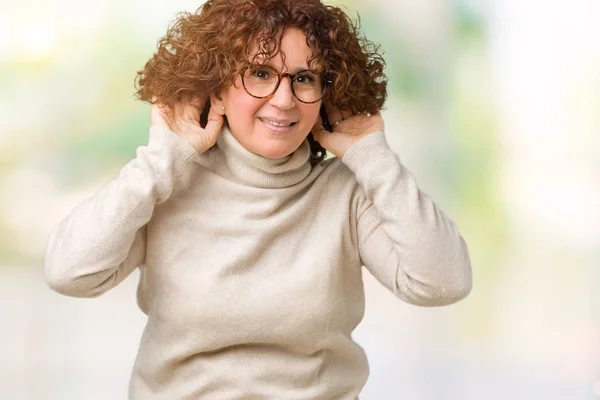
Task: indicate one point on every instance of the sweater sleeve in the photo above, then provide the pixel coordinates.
(404, 239)
(104, 238)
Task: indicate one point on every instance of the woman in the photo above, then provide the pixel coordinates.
(249, 243)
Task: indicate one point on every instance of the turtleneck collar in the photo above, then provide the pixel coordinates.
(231, 160)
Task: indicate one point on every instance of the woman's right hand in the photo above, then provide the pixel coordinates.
(184, 120)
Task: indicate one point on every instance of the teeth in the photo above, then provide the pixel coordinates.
(275, 123)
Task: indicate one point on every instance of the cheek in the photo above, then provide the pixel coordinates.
(240, 106)
(310, 113)
(243, 107)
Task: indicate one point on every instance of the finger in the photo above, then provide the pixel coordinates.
(191, 110)
(157, 104)
(318, 126)
(191, 102)
(319, 132)
(213, 106)
(184, 111)
(159, 115)
(196, 101)
(155, 100)
(178, 109)
(155, 114)
(346, 114)
(189, 98)
(333, 113)
(160, 109)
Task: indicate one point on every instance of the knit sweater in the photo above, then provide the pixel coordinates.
(250, 268)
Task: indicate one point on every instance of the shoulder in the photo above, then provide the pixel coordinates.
(334, 168)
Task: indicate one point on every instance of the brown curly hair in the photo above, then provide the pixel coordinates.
(203, 52)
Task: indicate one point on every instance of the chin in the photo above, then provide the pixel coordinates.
(278, 148)
(275, 153)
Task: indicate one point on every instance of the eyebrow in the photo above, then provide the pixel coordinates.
(293, 71)
(300, 69)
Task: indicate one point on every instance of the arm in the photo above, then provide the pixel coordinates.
(104, 239)
(404, 239)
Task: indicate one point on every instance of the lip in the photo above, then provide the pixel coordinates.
(278, 120)
(278, 129)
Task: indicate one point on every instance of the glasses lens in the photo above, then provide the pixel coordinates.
(260, 81)
(308, 86)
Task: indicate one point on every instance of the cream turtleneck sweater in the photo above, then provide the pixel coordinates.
(251, 267)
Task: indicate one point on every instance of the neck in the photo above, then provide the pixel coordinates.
(233, 161)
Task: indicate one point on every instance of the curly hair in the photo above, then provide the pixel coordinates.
(203, 52)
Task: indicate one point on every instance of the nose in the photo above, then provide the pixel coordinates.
(283, 98)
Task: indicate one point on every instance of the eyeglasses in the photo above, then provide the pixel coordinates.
(262, 81)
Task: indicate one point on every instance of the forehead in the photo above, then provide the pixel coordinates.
(293, 54)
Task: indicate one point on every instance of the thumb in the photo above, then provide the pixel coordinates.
(214, 123)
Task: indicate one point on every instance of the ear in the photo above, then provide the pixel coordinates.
(217, 104)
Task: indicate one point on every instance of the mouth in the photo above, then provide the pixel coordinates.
(277, 124)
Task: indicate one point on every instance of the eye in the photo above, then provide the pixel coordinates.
(260, 73)
(305, 78)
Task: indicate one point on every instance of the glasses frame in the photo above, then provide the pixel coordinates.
(280, 76)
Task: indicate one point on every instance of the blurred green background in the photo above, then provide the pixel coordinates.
(494, 106)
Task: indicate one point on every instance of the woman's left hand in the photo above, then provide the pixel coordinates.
(347, 129)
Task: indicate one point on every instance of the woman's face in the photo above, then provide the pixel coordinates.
(251, 119)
